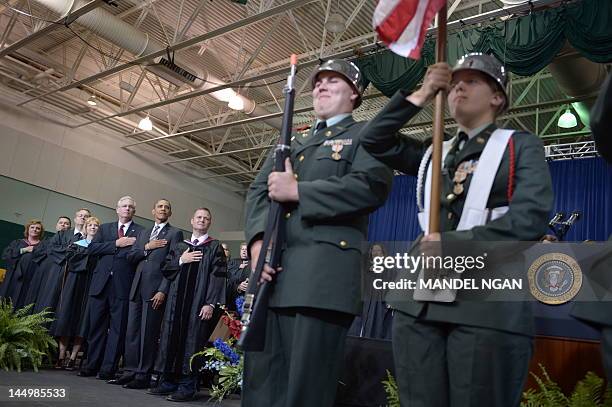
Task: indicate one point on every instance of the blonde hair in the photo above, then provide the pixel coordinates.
(33, 222)
(92, 219)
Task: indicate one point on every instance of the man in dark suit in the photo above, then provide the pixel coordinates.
(331, 184)
(466, 353)
(147, 297)
(109, 291)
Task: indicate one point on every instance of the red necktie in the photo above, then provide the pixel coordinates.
(121, 232)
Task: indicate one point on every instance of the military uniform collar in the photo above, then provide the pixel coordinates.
(476, 143)
(332, 121)
(472, 133)
(328, 133)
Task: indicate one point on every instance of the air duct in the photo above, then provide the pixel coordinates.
(123, 35)
(577, 77)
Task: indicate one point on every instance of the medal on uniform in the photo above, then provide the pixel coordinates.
(458, 189)
(336, 148)
(460, 176)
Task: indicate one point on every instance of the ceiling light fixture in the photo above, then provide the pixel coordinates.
(145, 124)
(567, 120)
(224, 95)
(335, 23)
(92, 101)
(236, 102)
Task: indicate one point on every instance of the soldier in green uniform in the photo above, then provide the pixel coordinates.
(598, 313)
(331, 185)
(466, 353)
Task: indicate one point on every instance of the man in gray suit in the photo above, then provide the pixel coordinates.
(147, 297)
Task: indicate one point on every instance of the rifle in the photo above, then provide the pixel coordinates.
(254, 314)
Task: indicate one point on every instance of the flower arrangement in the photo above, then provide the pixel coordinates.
(224, 358)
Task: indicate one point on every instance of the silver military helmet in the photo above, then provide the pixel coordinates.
(490, 66)
(347, 69)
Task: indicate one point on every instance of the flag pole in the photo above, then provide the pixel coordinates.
(438, 130)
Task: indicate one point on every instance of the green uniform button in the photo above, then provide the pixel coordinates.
(287, 215)
(301, 158)
(343, 243)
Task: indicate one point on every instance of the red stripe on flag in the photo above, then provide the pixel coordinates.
(397, 21)
(432, 9)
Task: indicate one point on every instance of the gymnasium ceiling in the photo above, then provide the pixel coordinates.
(48, 67)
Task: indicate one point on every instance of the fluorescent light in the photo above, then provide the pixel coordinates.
(567, 120)
(145, 124)
(236, 102)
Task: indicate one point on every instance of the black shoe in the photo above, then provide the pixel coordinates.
(87, 373)
(125, 379)
(161, 391)
(137, 384)
(105, 376)
(180, 396)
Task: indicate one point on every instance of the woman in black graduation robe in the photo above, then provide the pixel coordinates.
(52, 270)
(21, 268)
(71, 313)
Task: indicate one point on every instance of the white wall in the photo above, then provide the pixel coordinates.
(88, 164)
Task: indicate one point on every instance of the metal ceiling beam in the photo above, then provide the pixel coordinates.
(313, 62)
(223, 153)
(184, 44)
(51, 27)
(217, 127)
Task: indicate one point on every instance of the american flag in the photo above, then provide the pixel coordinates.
(402, 24)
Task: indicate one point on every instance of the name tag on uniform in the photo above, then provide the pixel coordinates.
(337, 146)
(342, 142)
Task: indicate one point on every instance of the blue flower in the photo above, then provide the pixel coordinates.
(227, 351)
(240, 304)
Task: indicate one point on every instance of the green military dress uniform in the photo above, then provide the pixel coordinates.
(598, 314)
(446, 353)
(317, 294)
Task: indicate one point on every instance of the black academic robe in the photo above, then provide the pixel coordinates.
(235, 276)
(70, 316)
(193, 286)
(12, 257)
(52, 269)
(25, 270)
(39, 254)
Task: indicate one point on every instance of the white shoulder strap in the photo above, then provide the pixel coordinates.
(474, 213)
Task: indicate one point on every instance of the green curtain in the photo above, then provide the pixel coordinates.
(526, 45)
